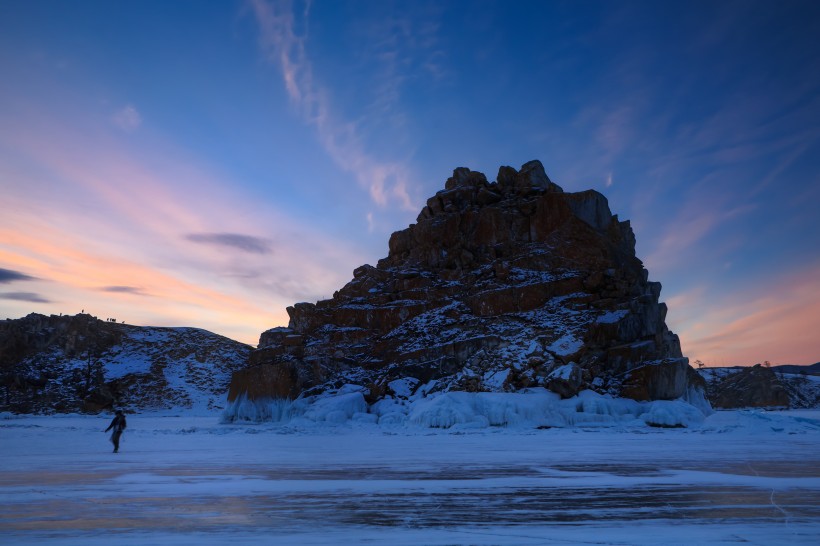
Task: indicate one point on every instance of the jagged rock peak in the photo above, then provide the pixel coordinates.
(468, 187)
(531, 177)
(472, 221)
(498, 286)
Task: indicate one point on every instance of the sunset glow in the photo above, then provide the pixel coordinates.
(208, 164)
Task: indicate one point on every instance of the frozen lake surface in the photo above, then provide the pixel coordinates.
(740, 477)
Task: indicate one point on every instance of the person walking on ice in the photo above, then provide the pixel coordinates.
(118, 424)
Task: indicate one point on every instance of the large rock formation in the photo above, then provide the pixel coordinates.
(80, 363)
(497, 287)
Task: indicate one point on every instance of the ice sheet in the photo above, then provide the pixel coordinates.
(742, 476)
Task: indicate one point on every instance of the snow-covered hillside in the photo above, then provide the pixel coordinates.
(800, 385)
(67, 364)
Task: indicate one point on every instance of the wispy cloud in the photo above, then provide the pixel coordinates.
(134, 238)
(30, 297)
(388, 182)
(123, 290)
(748, 326)
(703, 213)
(128, 119)
(615, 132)
(8, 276)
(776, 173)
(184, 294)
(236, 241)
(403, 47)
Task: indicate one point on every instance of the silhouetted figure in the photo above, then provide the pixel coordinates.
(118, 424)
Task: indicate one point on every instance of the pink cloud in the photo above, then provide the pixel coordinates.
(74, 278)
(95, 213)
(776, 322)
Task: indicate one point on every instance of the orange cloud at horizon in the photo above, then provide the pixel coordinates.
(102, 218)
(777, 323)
(111, 234)
(82, 280)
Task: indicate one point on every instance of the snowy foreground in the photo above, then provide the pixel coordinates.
(732, 477)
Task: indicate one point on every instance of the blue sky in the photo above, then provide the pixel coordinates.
(210, 163)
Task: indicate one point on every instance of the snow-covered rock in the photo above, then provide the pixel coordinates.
(493, 288)
(765, 387)
(80, 363)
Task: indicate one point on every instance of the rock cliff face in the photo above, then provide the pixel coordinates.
(753, 387)
(497, 287)
(79, 363)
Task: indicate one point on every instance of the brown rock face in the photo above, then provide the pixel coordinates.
(279, 380)
(755, 387)
(495, 287)
(664, 380)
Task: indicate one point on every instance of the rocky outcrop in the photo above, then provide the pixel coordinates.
(802, 384)
(751, 387)
(80, 363)
(664, 380)
(498, 286)
(567, 380)
(266, 381)
(764, 387)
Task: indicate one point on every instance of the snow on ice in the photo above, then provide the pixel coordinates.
(416, 468)
(536, 407)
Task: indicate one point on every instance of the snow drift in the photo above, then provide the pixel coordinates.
(533, 408)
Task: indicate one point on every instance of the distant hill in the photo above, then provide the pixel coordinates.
(82, 364)
(788, 385)
(813, 369)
